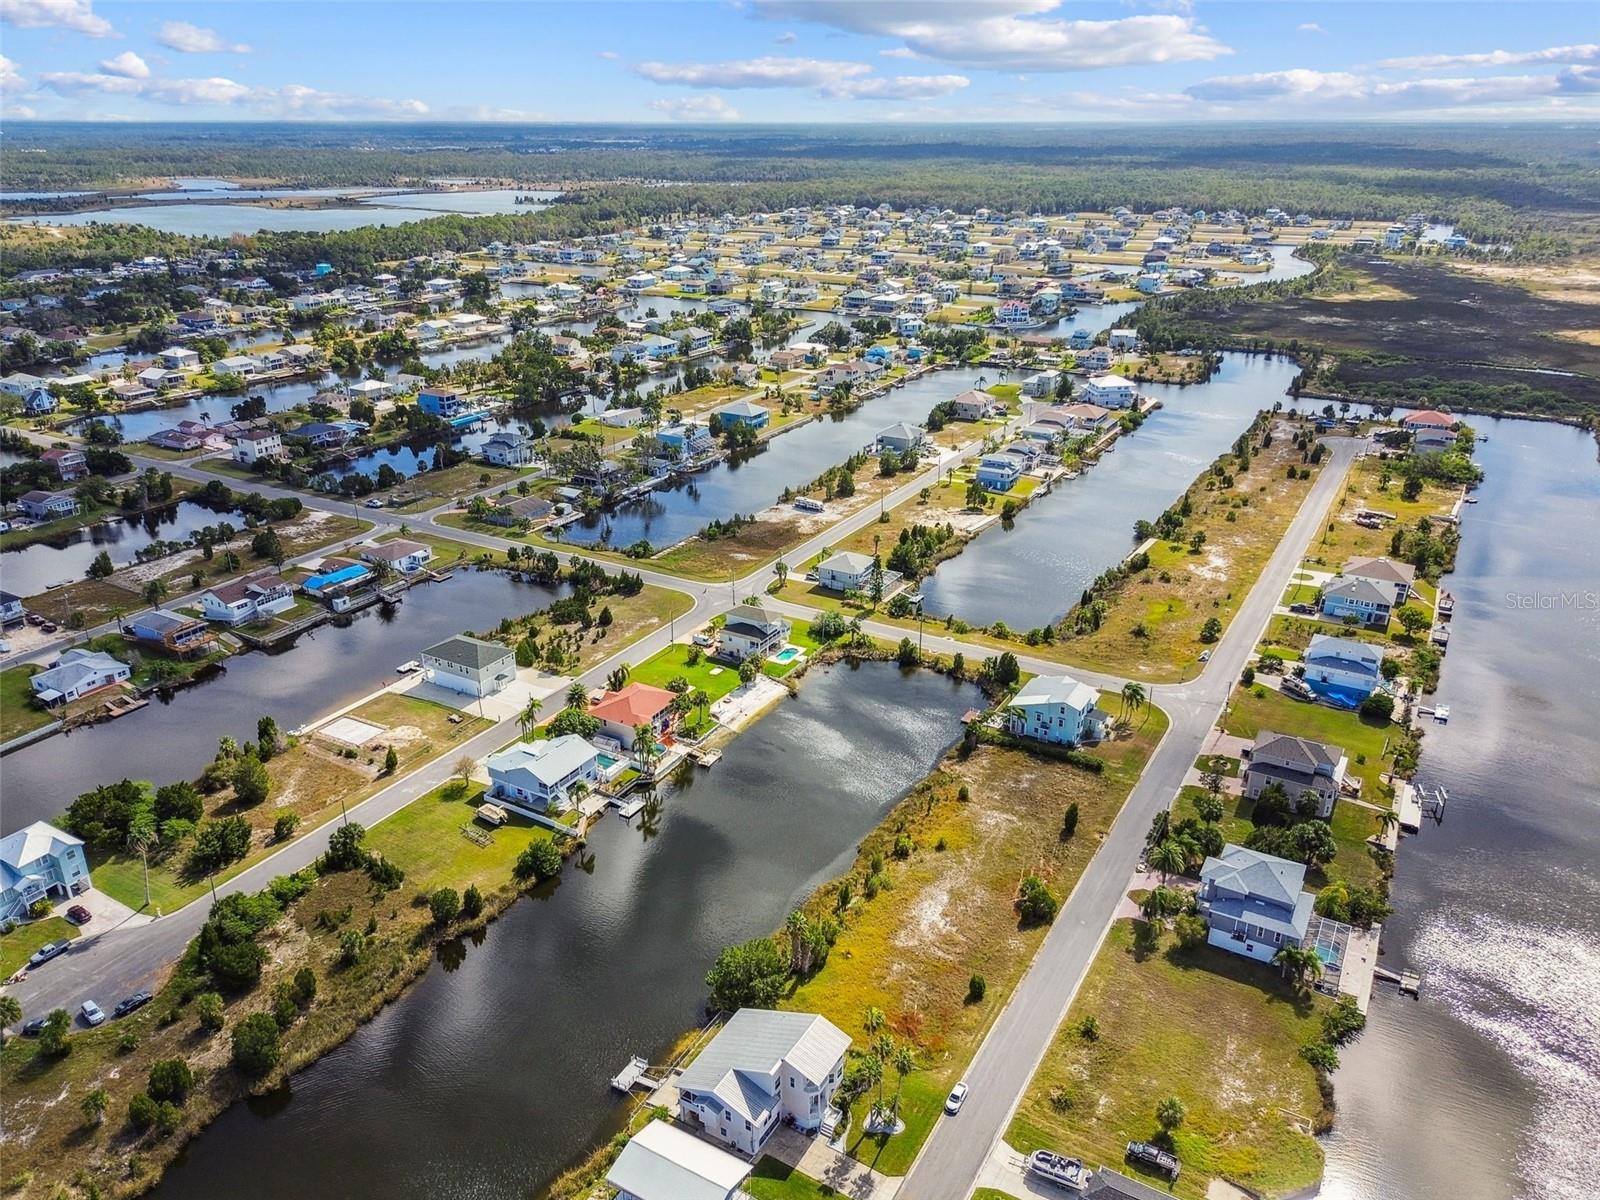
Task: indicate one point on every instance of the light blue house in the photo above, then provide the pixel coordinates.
(744, 413)
(688, 438)
(879, 354)
(1254, 902)
(1059, 709)
(541, 776)
(443, 402)
(39, 862)
(1344, 664)
(1000, 472)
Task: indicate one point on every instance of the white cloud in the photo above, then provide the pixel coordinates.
(1579, 79)
(290, 100)
(127, 63)
(608, 54)
(898, 52)
(1358, 93)
(1279, 85)
(901, 87)
(701, 109)
(787, 37)
(1496, 58)
(768, 71)
(191, 39)
(1311, 27)
(76, 15)
(10, 77)
(1011, 34)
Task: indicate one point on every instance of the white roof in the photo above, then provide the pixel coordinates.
(1056, 689)
(1110, 381)
(753, 1045)
(33, 842)
(663, 1162)
(547, 761)
(846, 562)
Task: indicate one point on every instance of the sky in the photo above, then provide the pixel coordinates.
(761, 61)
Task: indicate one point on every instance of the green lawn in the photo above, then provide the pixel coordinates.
(18, 946)
(424, 838)
(18, 713)
(774, 1180)
(673, 661)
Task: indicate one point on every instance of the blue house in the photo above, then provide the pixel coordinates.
(744, 413)
(39, 401)
(1000, 472)
(443, 402)
(36, 863)
(1254, 902)
(688, 438)
(879, 354)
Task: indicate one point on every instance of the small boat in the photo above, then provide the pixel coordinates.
(1059, 1169)
(1442, 714)
(407, 668)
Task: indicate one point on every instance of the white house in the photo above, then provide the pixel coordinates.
(750, 631)
(249, 598)
(845, 571)
(1042, 384)
(665, 1162)
(469, 665)
(77, 673)
(1124, 339)
(508, 448)
(1059, 709)
(402, 555)
(179, 358)
(542, 774)
(255, 445)
(1110, 391)
(37, 862)
(764, 1069)
(1254, 903)
(1344, 662)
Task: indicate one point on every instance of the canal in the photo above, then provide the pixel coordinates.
(1033, 572)
(327, 668)
(790, 460)
(64, 558)
(491, 1076)
(1489, 1086)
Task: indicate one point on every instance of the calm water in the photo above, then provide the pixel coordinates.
(137, 426)
(792, 459)
(1489, 1086)
(408, 459)
(491, 1076)
(1036, 570)
(326, 669)
(64, 559)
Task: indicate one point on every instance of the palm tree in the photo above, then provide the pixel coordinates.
(871, 1074)
(883, 1051)
(578, 696)
(873, 1020)
(10, 1012)
(529, 716)
(904, 1063)
(1132, 698)
(644, 747)
(1168, 858)
(1300, 963)
(698, 698)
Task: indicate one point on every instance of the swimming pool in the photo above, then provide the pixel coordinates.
(787, 655)
(606, 761)
(1337, 694)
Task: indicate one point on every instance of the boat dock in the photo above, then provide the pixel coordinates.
(1409, 983)
(627, 811)
(1407, 806)
(634, 1075)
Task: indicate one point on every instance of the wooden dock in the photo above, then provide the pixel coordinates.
(634, 1075)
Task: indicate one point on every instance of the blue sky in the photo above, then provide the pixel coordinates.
(798, 60)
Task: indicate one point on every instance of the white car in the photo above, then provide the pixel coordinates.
(958, 1096)
(374, 503)
(91, 1013)
(1205, 656)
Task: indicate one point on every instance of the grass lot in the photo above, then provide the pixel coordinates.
(18, 713)
(18, 946)
(1151, 629)
(433, 488)
(632, 617)
(1218, 1031)
(949, 914)
(774, 1180)
(98, 600)
(1342, 539)
(425, 839)
(715, 679)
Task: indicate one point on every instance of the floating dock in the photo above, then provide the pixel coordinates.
(1407, 807)
(631, 809)
(634, 1075)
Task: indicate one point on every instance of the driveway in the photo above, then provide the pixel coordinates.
(814, 1158)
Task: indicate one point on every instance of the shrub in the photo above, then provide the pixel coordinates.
(1036, 903)
(1089, 1028)
(305, 986)
(977, 986)
(1378, 707)
(53, 1039)
(445, 904)
(471, 903)
(539, 861)
(750, 975)
(208, 1008)
(903, 846)
(171, 1079)
(1069, 821)
(256, 1044)
(283, 828)
(1323, 1057)
(142, 1112)
(351, 946)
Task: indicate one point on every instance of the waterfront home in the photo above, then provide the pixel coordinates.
(1057, 709)
(1096, 359)
(665, 1162)
(1368, 603)
(511, 511)
(1000, 472)
(1386, 573)
(240, 365)
(972, 405)
(67, 464)
(178, 358)
(1301, 765)
(469, 665)
(508, 448)
(621, 713)
(1431, 429)
(175, 439)
(444, 402)
(1042, 384)
(845, 571)
(763, 1070)
(401, 555)
(327, 435)
(744, 413)
(185, 637)
(750, 631)
(1106, 1184)
(11, 611)
(20, 383)
(1123, 339)
(786, 360)
(257, 445)
(689, 438)
(162, 378)
(1110, 391)
(248, 598)
(40, 402)
(77, 673)
(369, 389)
(36, 862)
(47, 506)
(901, 438)
(1254, 903)
(1344, 663)
(130, 391)
(541, 775)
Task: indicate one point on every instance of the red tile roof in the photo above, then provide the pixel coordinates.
(636, 704)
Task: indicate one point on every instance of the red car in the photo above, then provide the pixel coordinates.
(79, 915)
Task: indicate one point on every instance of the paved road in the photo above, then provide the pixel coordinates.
(951, 1159)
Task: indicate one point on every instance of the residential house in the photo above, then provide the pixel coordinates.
(1058, 709)
(1431, 429)
(77, 673)
(972, 405)
(1387, 586)
(40, 402)
(750, 631)
(763, 1070)
(1096, 359)
(239, 365)
(1042, 384)
(845, 571)
(185, 637)
(665, 1162)
(162, 378)
(130, 391)
(257, 445)
(47, 506)
(509, 448)
(67, 464)
(1344, 663)
(542, 775)
(786, 360)
(1254, 903)
(1300, 765)
(246, 599)
(11, 610)
(325, 435)
(175, 439)
(443, 402)
(688, 439)
(36, 862)
(745, 414)
(469, 665)
(1123, 339)
(1110, 391)
(179, 358)
(401, 555)
(621, 713)
(511, 511)
(20, 383)
(901, 438)
(1000, 472)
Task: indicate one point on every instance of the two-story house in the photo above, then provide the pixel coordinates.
(1058, 709)
(249, 598)
(622, 713)
(469, 665)
(1300, 765)
(37, 862)
(1253, 902)
(750, 631)
(1343, 663)
(257, 445)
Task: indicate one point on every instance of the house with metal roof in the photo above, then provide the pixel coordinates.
(1254, 902)
(541, 775)
(764, 1069)
(37, 862)
(77, 673)
(1344, 663)
(1057, 709)
(469, 665)
(1300, 765)
(750, 631)
(743, 412)
(665, 1162)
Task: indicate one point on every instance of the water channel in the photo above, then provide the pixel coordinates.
(490, 1076)
(63, 558)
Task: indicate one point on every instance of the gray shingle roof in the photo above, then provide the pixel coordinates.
(1295, 751)
(468, 652)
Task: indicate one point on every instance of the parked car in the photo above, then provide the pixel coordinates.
(34, 1027)
(1205, 656)
(1305, 610)
(1154, 1157)
(46, 952)
(79, 915)
(702, 639)
(91, 1013)
(48, 627)
(375, 503)
(958, 1097)
(132, 1003)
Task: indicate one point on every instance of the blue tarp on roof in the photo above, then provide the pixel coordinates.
(353, 572)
